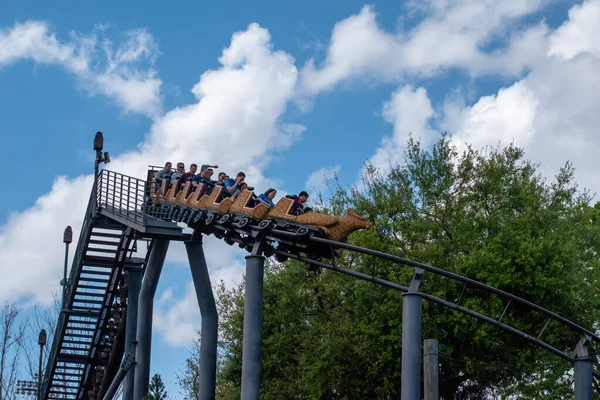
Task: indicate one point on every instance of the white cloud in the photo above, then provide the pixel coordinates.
(580, 35)
(453, 34)
(177, 313)
(235, 123)
(178, 325)
(31, 241)
(551, 112)
(317, 180)
(410, 112)
(505, 117)
(123, 74)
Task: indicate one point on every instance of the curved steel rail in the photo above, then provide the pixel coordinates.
(399, 260)
(451, 275)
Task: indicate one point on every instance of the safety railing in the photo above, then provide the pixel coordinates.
(131, 198)
(123, 195)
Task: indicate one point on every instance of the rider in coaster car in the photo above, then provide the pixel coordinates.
(232, 186)
(204, 177)
(177, 174)
(164, 174)
(252, 200)
(267, 197)
(299, 208)
(221, 178)
(188, 175)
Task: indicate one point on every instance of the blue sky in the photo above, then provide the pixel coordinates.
(286, 92)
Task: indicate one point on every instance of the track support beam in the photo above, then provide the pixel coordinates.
(134, 284)
(208, 311)
(411, 340)
(431, 390)
(583, 370)
(144, 321)
(253, 303)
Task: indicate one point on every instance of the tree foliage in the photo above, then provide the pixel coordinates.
(486, 214)
(11, 340)
(156, 390)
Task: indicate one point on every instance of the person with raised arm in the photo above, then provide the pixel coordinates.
(232, 186)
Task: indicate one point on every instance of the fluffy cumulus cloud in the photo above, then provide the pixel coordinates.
(580, 34)
(177, 314)
(318, 180)
(235, 122)
(505, 117)
(551, 112)
(31, 255)
(409, 110)
(122, 72)
(451, 34)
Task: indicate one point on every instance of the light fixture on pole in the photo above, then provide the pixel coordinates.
(67, 239)
(42, 342)
(100, 158)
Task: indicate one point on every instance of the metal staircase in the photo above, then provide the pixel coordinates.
(95, 301)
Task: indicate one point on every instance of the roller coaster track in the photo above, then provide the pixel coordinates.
(89, 334)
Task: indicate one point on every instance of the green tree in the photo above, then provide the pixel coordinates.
(187, 378)
(485, 214)
(156, 390)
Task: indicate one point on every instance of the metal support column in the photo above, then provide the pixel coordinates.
(431, 389)
(583, 370)
(125, 366)
(209, 328)
(253, 302)
(134, 284)
(411, 340)
(144, 320)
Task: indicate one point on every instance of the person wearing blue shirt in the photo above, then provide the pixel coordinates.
(267, 197)
(232, 186)
(204, 177)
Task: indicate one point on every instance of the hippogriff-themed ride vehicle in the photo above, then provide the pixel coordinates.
(241, 220)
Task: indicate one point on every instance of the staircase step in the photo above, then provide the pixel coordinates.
(77, 342)
(103, 242)
(89, 294)
(79, 312)
(67, 373)
(72, 348)
(105, 234)
(78, 335)
(84, 301)
(99, 261)
(98, 280)
(99, 250)
(80, 328)
(90, 287)
(89, 271)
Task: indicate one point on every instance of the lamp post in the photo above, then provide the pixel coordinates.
(42, 342)
(67, 239)
(100, 158)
